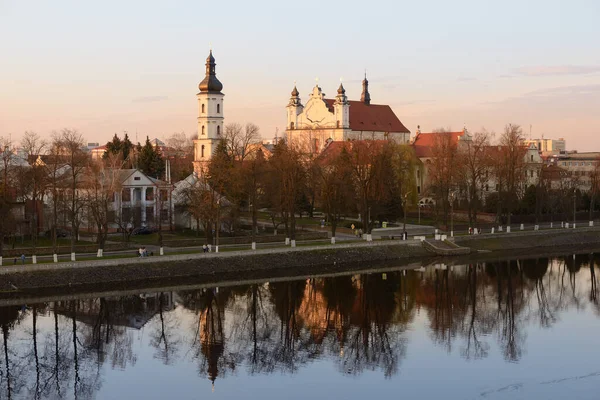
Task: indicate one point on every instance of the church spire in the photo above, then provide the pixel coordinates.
(365, 97)
(210, 83)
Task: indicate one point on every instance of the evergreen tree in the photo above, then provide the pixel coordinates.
(113, 147)
(127, 149)
(150, 161)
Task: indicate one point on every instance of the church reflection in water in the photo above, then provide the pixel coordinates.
(357, 323)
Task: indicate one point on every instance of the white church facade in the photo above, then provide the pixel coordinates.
(324, 120)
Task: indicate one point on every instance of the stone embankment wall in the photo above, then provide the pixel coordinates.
(235, 264)
(534, 240)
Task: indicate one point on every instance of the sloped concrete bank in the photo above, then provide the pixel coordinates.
(533, 242)
(184, 269)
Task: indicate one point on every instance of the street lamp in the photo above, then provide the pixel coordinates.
(404, 201)
(217, 228)
(574, 206)
(451, 214)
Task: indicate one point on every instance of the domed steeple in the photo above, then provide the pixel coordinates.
(365, 97)
(210, 83)
(295, 99)
(341, 96)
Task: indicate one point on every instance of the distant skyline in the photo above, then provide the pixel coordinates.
(109, 67)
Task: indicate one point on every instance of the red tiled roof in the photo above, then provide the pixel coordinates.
(372, 117)
(424, 142)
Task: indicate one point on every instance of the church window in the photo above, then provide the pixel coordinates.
(291, 125)
(203, 129)
(203, 108)
(218, 108)
(337, 124)
(202, 154)
(218, 129)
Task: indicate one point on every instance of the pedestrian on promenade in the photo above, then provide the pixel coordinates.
(204, 248)
(23, 259)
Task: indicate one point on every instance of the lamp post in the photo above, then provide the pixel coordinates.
(217, 228)
(574, 206)
(451, 214)
(419, 211)
(404, 201)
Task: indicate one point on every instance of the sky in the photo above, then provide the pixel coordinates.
(113, 66)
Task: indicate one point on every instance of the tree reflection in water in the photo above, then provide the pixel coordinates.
(359, 323)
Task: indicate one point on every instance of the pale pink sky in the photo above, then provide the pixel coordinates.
(111, 66)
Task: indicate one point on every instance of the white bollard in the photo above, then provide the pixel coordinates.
(591, 223)
(369, 237)
(161, 251)
(333, 240)
(562, 224)
(293, 242)
(522, 227)
(253, 245)
(507, 229)
(287, 241)
(451, 233)
(492, 229)
(216, 249)
(574, 224)
(0, 260)
(551, 225)
(566, 225)
(500, 228)
(99, 253)
(72, 256)
(55, 257)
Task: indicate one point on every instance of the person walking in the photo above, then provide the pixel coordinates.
(23, 259)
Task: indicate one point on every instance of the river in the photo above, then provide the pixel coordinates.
(497, 330)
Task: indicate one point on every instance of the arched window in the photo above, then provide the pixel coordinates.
(218, 129)
(337, 124)
(218, 108)
(203, 129)
(202, 154)
(292, 125)
(202, 108)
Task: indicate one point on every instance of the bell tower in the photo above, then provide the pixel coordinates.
(210, 116)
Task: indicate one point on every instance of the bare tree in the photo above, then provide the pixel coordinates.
(34, 146)
(513, 158)
(442, 173)
(76, 160)
(239, 139)
(473, 167)
(7, 223)
(101, 183)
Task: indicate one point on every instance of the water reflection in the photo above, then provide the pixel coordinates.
(356, 323)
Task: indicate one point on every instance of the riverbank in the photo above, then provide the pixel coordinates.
(184, 269)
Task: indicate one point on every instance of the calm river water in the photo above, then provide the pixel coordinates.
(508, 330)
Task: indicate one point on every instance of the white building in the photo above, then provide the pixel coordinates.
(323, 120)
(210, 116)
(548, 146)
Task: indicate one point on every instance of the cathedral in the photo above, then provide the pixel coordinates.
(324, 120)
(313, 126)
